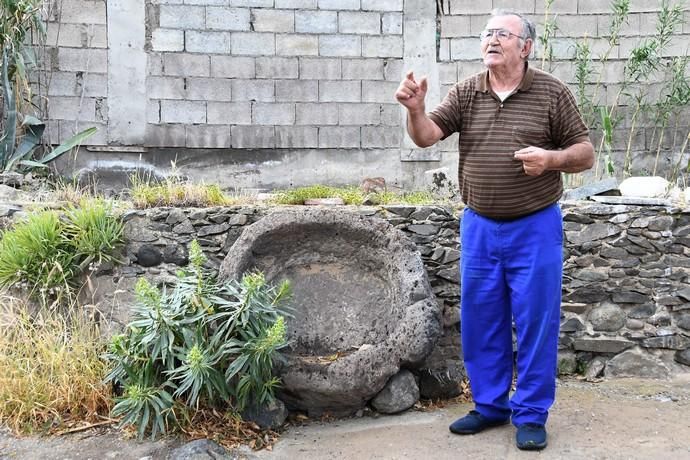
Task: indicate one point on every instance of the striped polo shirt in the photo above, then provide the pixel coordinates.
(540, 112)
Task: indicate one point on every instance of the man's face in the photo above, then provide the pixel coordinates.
(505, 52)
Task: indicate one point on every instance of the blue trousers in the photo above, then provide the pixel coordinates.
(511, 271)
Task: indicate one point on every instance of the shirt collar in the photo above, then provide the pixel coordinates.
(483, 85)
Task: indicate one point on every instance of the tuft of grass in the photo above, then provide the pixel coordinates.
(51, 373)
(352, 196)
(177, 194)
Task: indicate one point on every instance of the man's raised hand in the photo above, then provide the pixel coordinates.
(411, 93)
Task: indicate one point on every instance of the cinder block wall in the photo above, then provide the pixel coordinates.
(271, 93)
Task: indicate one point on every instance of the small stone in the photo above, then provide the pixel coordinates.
(149, 256)
(632, 363)
(400, 393)
(683, 356)
(201, 449)
(607, 317)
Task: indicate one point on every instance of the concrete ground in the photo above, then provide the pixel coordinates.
(620, 419)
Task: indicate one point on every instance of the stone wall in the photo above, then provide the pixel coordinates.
(291, 92)
(626, 291)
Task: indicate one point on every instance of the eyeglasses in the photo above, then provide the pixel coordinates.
(502, 34)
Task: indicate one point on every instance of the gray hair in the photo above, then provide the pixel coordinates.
(528, 28)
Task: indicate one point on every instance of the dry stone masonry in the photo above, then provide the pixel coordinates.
(626, 290)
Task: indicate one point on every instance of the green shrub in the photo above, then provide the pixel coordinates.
(45, 254)
(36, 256)
(202, 344)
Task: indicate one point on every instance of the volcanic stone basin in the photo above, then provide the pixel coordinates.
(363, 307)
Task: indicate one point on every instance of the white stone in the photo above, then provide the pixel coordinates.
(649, 187)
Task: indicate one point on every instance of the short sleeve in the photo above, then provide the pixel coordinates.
(568, 127)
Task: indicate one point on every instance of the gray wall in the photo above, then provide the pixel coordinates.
(273, 93)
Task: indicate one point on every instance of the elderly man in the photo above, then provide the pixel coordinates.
(519, 129)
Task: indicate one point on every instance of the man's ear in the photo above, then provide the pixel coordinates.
(526, 48)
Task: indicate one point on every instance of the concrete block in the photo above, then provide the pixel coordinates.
(592, 7)
(393, 70)
(252, 3)
(464, 49)
(577, 25)
(469, 7)
(207, 136)
(82, 60)
(444, 50)
(319, 68)
(391, 24)
(253, 137)
(165, 87)
(207, 42)
(316, 22)
(336, 137)
(297, 91)
(186, 65)
(253, 43)
(229, 113)
(233, 67)
(277, 67)
(387, 46)
(379, 91)
(477, 24)
(296, 4)
(391, 115)
(645, 5)
(297, 45)
(209, 89)
(359, 22)
(72, 108)
(288, 137)
(76, 35)
(557, 7)
(340, 91)
(359, 114)
(362, 69)
(270, 20)
(448, 73)
(221, 18)
(340, 45)
(153, 112)
(183, 112)
(646, 24)
(165, 136)
(339, 4)
(81, 12)
(317, 114)
(455, 26)
(523, 6)
(63, 84)
(206, 3)
(167, 40)
(381, 137)
(154, 64)
(70, 128)
(382, 5)
(273, 114)
(253, 90)
(182, 17)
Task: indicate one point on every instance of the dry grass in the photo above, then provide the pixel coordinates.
(51, 374)
(177, 194)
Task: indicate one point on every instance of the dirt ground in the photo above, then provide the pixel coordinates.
(618, 419)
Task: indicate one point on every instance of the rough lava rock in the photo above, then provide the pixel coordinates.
(363, 306)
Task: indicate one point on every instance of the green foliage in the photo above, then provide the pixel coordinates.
(45, 254)
(351, 196)
(21, 140)
(171, 192)
(203, 343)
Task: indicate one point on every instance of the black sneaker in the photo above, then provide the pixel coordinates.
(530, 436)
(474, 422)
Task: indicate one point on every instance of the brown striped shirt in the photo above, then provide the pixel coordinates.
(541, 112)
